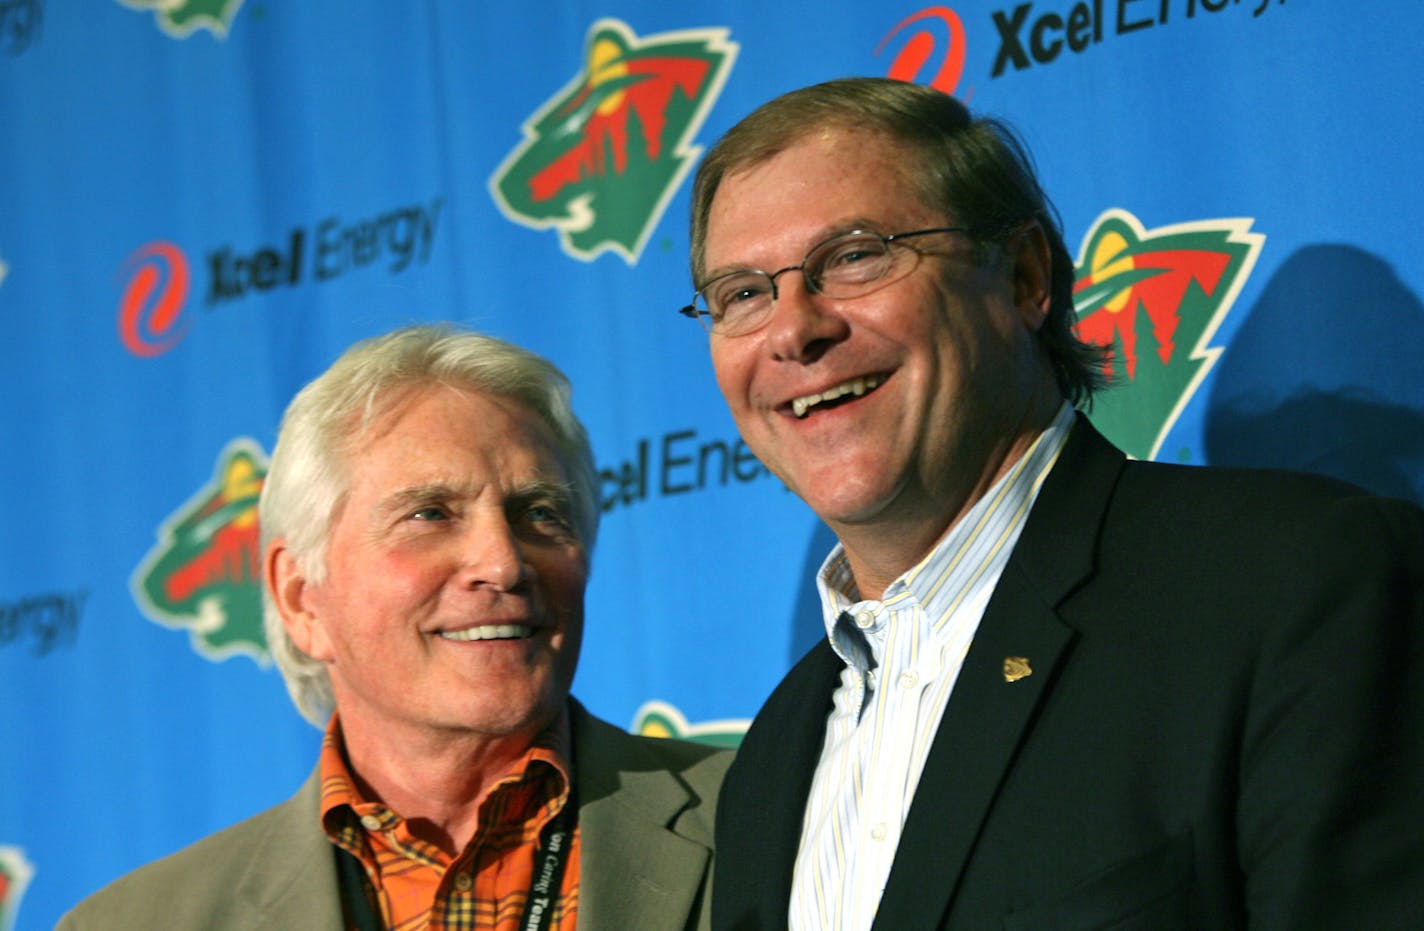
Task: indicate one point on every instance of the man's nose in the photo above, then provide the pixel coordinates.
(492, 556)
(803, 322)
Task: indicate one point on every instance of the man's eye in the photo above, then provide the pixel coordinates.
(430, 513)
(853, 253)
(546, 517)
(849, 257)
(742, 295)
(733, 295)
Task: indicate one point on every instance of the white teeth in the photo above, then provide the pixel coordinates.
(490, 632)
(856, 386)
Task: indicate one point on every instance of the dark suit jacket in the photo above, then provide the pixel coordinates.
(1222, 727)
(645, 835)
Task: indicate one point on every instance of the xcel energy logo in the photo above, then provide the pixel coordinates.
(153, 307)
(931, 45)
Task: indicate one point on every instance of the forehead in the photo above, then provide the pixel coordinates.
(819, 185)
(433, 428)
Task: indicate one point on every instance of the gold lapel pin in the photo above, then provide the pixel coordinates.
(1016, 668)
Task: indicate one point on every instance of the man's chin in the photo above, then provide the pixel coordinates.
(849, 507)
(504, 715)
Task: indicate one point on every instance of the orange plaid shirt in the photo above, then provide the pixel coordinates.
(413, 884)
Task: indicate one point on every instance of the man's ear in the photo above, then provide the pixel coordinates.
(292, 594)
(1032, 275)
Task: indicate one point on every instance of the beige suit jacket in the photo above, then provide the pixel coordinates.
(645, 820)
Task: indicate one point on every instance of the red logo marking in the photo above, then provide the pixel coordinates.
(920, 47)
(150, 307)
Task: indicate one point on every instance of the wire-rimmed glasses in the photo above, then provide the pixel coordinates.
(848, 265)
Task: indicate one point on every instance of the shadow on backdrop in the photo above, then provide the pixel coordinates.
(807, 627)
(1326, 375)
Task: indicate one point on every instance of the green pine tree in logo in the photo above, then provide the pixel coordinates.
(602, 159)
(1155, 299)
(205, 572)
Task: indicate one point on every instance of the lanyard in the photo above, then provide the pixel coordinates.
(550, 859)
(361, 913)
(549, 862)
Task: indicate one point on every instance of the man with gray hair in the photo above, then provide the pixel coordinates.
(427, 523)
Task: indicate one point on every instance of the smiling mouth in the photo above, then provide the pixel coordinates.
(854, 388)
(490, 632)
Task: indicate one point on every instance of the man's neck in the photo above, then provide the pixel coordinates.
(436, 782)
(880, 550)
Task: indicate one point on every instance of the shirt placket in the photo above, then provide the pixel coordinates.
(900, 681)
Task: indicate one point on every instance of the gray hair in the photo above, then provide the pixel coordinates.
(976, 169)
(308, 477)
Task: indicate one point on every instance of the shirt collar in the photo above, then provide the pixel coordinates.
(936, 581)
(343, 803)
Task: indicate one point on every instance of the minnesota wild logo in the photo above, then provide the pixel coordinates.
(601, 159)
(1155, 299)
(15, 875)
(660, 719)
(179, 18)
(204, 573)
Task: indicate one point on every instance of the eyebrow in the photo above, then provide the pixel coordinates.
(828, 232)
(560, 493)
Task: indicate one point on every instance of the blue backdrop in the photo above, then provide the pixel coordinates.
(202, 202)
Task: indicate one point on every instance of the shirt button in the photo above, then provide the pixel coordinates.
(370, 822)
(909, 679)
(864, 620)
(464, 882)
(878, 832)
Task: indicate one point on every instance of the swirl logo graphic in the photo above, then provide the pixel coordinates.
(937, 33)
(179, 19)
(660, 719)
(152, 303)
(15, 874)
(602, 158)
(1155, 299)
(204, 573)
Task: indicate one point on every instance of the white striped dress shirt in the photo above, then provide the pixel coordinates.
(902, 655)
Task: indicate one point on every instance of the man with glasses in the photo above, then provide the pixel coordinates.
(1058, 689)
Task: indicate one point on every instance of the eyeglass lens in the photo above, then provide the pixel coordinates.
(836, 268)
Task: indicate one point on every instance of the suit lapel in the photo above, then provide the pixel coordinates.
(763, 801)
(637, 870)
(289, 881)
(982, 727)
(992, 707)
